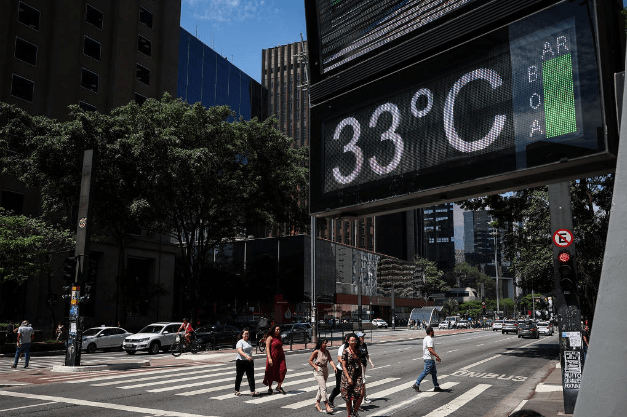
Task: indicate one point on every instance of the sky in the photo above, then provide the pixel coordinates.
(240, 29)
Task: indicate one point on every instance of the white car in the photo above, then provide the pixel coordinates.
(103, 338)
(443, 325)
(497, 325)
(152, 338)
(544, 327)
(462, 324)
(380, 323)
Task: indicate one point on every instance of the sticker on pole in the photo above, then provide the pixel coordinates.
(563, 238)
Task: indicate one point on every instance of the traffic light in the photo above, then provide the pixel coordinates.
(566, 270)
(69, 270)
(483, 307)
(88, 296)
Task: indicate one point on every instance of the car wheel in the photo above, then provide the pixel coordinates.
(130, 352)
(154, 348)
(91, 348)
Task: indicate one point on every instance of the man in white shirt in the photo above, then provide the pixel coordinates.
(430, 357)
(25, 336)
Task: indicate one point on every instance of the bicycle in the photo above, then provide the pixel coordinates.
(261, 342)
(179, 346)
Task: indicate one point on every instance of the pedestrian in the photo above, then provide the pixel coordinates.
(60, 330)
(275, 360)
(365, 358)
(351, 376)
(430, 357)
(9, 332)
(244, 363)
(25, 335)
(338, 372)
(318, 360)
(585, 336)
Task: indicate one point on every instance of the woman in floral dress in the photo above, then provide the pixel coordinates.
(351, 384)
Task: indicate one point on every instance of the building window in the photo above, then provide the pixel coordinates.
(28, 15)
(144, 46)
(86, 106)
(91, 48)
(143, 74)
(22, 88)
(25, 51)
(139, 99)
(145, 17)
(13, 202)
(94, 16)
(89, 80)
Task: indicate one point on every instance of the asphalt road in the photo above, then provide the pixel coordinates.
(478, 370)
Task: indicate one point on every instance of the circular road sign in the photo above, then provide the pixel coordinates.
(563, 238)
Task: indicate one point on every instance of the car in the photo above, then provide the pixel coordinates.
(544, 327)
(380, 323)
(154, 337)
(296, 332)
(509, 326)
(103, 338)
(461, 324)
(497, 325)
(216, 336)
(528, 329)
(443, 325)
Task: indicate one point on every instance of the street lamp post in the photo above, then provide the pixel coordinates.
(495, 233)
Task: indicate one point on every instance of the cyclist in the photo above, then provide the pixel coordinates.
(188, 329)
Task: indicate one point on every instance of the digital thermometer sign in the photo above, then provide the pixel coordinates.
(496, 113)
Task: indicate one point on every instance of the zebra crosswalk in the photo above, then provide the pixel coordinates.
(218, 379)
(49, 362)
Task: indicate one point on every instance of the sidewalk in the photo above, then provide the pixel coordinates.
(548, 396)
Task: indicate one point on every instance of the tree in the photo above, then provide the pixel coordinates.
(470, 275)
(27, 246)
(202, 180)
(429, 277)
(523, 220)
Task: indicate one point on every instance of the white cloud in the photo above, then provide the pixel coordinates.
(227, 10)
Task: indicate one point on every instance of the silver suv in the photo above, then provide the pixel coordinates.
(152, 338)
(509, 326)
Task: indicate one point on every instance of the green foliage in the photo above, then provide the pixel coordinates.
(429, 277)
(524, 223)
(26, 245)
(471, 276)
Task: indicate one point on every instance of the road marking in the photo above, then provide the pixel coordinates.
(418, 397)
(454, 350)
(519, 406)
(480, 362)
(222, 387)
(458, 402)
(26, 406)
(185, 378)
(307, 403)
(85, 403)
(291, 393)
(481, 344)
(204, 371)
(118, 376)
(549, 388)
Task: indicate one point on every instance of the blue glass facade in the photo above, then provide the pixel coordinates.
(206, 77)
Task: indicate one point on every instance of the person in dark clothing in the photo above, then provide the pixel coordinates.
(365, 358)
(338, 373)
(10, 334)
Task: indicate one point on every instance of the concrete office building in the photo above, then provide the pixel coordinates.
(98, 54)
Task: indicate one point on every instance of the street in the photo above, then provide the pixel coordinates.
(478, 370)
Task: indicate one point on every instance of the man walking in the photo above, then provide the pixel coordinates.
(430, 357)
(25, 335)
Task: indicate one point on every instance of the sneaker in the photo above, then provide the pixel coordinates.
(25, 366)
(13, 366)
(437, 389)
(416, 387)
(367, 400)
(331, 404)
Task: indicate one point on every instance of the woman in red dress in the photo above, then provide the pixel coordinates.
(275, 360)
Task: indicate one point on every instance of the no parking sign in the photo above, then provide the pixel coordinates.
(563, 238)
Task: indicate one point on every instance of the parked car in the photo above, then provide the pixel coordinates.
(103, 338)
(297, 332)
(443, 325)
(462, 324)
(544, 327)
(509, 326)
(152, 338)
(380, 323)
(216, 336)
(497, 325)
(528, 329)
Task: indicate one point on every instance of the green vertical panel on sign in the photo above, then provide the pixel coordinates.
(559, 96)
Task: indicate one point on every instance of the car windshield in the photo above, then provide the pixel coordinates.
(91, 332)
(206, 329)
(151, 328)
(287, 327)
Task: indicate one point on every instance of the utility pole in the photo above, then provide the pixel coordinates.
(81, 253)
